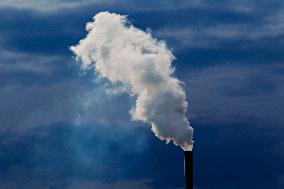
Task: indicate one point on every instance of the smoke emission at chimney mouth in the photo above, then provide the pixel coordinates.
(124, 54)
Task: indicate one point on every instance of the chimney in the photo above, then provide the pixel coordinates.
(188, 169)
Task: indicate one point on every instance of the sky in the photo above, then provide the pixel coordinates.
(62, 129)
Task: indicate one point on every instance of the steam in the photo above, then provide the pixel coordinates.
(127, 55)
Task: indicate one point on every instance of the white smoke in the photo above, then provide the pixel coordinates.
(124, 54)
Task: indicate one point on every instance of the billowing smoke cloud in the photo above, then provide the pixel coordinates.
(124, 54)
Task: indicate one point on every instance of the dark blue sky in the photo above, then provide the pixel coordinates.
(60, 130)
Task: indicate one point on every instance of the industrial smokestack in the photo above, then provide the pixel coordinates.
(129, 57)
(188, 169)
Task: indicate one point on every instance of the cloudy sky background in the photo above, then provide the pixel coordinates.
(59, 128)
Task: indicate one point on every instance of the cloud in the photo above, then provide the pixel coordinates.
(31, 32)
(55, 5)
(147, 5)
(28, 83)
(38, 90)
(26, 107)
(65, 156)
(52, 151)
(200, 24)
(213, 36)
(14, 62)
(237, 94)
(41, 5)
(237, 22)
(210, 36)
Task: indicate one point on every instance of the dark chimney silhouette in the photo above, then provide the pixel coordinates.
(188, 169)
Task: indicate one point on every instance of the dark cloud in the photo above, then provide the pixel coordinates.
(187, 28)
(245, 157)
(70, 154)
(31, 32)
(238, 94)
(64, 156)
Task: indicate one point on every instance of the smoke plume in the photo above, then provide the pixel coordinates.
(123, 54)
